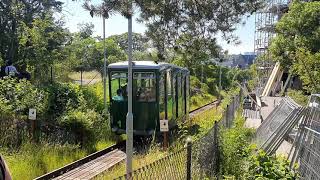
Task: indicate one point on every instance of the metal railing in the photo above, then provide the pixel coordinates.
(277, 125)
(305, 151)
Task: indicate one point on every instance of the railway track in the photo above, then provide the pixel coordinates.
(203, 108)
(98, 162)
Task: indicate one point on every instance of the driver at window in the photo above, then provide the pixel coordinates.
(119, 96)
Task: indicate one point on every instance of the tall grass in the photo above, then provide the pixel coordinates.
(85, 75)
(199, 100)
(33, 160)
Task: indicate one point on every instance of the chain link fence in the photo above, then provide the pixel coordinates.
(198, 160)
(229, 113)
(306, 147)
(13, 133)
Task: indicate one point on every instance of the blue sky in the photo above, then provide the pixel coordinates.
(74, 14)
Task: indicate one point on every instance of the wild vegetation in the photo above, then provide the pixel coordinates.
(297, 44)
(31, 35)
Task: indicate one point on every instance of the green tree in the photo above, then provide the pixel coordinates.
(297, 43)
(170, 20)
(87, 54)
(139, 41)
(40, 45)
(85, 30)
(16, 12)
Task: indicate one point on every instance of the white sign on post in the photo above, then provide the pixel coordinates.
(164, 125)
(32, 114)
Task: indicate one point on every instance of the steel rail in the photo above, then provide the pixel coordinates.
(73, 165)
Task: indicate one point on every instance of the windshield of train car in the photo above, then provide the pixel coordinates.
(144, 86)
(119, 86)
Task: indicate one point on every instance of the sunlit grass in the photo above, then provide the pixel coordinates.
(35, 160)
(199, 100)
(88, 75)
(104, 144)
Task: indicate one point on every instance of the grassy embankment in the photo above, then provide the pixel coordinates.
(33, 160)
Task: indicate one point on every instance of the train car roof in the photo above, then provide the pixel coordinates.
(143, 65)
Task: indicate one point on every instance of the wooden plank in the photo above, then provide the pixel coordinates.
(93, 168)
(84, 166)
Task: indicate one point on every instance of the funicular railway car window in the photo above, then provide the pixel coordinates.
(144, 86)
(162, 92)
(119, 82)
(174, 95)
(180, 98)
(169, 95)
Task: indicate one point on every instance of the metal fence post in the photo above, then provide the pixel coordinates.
(227, 116)
(216, 144)
(189, 149)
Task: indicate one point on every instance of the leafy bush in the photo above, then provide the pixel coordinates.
(262, 166)
(64, 96)
(298, 96)
(235, 145)
(16, 97)
(93, 95)
(82, 125)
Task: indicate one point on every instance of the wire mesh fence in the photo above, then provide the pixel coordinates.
(14, 132)
(306, 147)
(198, 160)
(205, 155)
(229, 113)
(173, 166)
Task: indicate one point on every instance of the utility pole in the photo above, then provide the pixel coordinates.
(104, 65)
(220, 82)
(201, 72)
(129, 123)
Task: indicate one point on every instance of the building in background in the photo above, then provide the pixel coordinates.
(242, 61)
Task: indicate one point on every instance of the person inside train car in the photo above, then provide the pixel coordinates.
(124, 90)
(119, 96)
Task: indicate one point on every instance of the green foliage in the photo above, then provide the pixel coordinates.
(297, 44)
(64, 97)
(308, 69)
(263, 166)
(2, 63)
(87, 54)
(85, 30)
(298, 96)
(93, 95)
(16, 97)
(235, 145)
(40, 45)
(81, 124)
(139, 41)
(15, 13)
